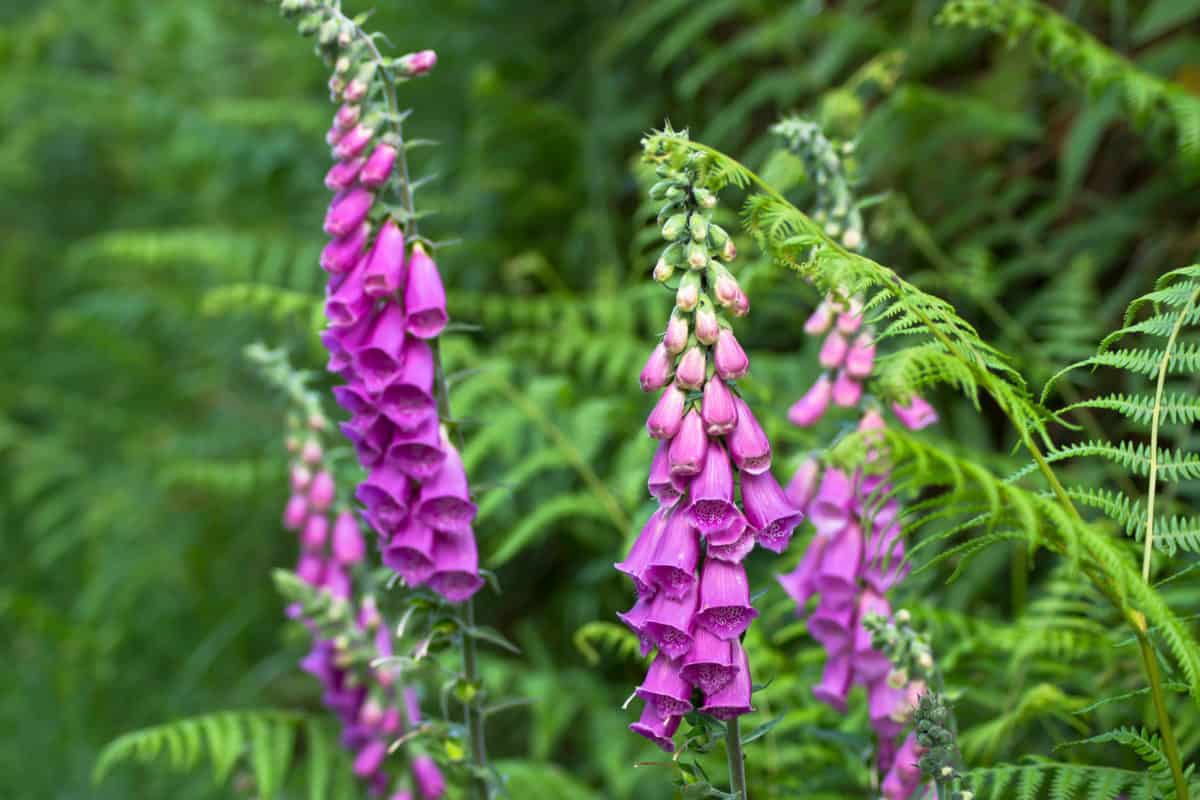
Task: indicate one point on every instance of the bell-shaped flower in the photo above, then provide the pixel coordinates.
(803, 485)
(708, 329)
(666, 418)
(295, 512)
(369, 759)
(641, 552)
(382, 353)
(418, 63)
(712, 509)
(378, 167)
(660, 483)
(316, 531)
(408, 400)
(672, 567)
(664, 689)
(884, 562)
(692, 368)
(635, 619)
(348, 304)
(837, 577)
(337, 581)
(343, 174)
(669, 622)
(657, 372)
(371, 435)
(800, 583)
(851, 317)
(676, 337)
(341, 254)
(445, 500)
(424, 296)
(431, 784)
(904, 778)
(748, 444)
(419, 454)
(347, 116)
(409, 552)
(385, 265)
(348, 544)
(322, 491)
(710, 664)
(348, 211)
(829, 511)
(733, 699)
(769, 512)
(386, 493)
(732, 544)
(717, 408)
(725, 608)
(353, 142)
(729, 357)
(833, 350)
(690, 446)
(455, 566)
(833, 626)
(916, 414)
(835, 682)
(809, 409)
(869, 664)
(861, 357)
(657, 729)
(846, 390)
(311, 569)
(820, 320)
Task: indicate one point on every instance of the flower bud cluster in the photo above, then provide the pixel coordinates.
(385, 305)
(936, 741)
(693, 597)
(830, 169)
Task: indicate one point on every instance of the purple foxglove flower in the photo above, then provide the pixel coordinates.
(355, 399)
(710, 664)
(295, 511)
(368, 760)
(351, 92)
(820, 320)
(733, 544)
(418, 63)
(343, 174)
(311, 452)
(830, 509)
(768, 511)
(384, 272)
(409, 552)
(412, 707)
(408, 401)
(748, 445)
(835, 682)
(657, 372)
(707, 327)
(641, 552)
(803, 485)
(676, 337)
(904, 778)
(687, 296)
(850, 319)
(884, 557)
(833, 350)
(430, 782)
(347, 304)
(712, 509)
(846, 391)
(343, 253)
(348, 544)
(382, 353)
(665, 690)
(662, 487)
(348, 211)
(692, 369)
(861, 358)
(832, 626)
(371, 436)
(729, 357)
(337, 582)
(733, 699)
(333, 135)
(718, 409)
(725, 599)
(379, 166)
(424, 296)
(455, 566)
(687, 451)
(726, 287)
(300, 477)
(353, 142)
(837, 577)
(445, 500)
(668, 622)
(888, 708)
(809, 409)
(316, 530)
(318, 662)
(391, 724)
(667, 417)
(322, 491)
(635, 619)
(657, 729)
(419, 455)
(800, 582)
(672, 567)
(917, 414)
(386, 494)
(347, 116)
(311, 569)
(869, 664)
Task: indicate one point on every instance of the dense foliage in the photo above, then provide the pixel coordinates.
(1025, 176)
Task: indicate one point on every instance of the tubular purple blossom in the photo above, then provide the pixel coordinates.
(424, 296)
(384, 272)
(347, 116)
(667, 417)
(733, 699)
(820, 320)
(378, 168)
(800, 583)
(861, 357)
(348, 304)
(657, 372)
(729, 357)
(830, 509)
(692, 368)
(370, 758)
(419, 454)
(353, 142)
(657, 729)
(445, 500)
(386, 494)
(322, 491)
(348, 544)
(418, 63)
(430, 781)
(768, 511)
(642, 551)
(676, 337)
(343, 174)
(708, 330)
(664, 689)
(660, 483)
(748, 445)
(316, 530)
(672, 567)
(717, 408)
(870, 664)
(295, 511)
(833, 350)
(725, 608)
(803, 485)
(835, 682)
(408, 400)
(846, 391)
(343, 253)
(686, 455)
(809, 409)
(917, 414)
(712, 509)
(832, 625)
(409, 552)
(348, 210)
(710, 664)
(455, 566)
(735, 543)
(382, 352)
(668, 622)
(837, 577)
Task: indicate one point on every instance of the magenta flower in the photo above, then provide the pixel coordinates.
(455, 566)
(424, 296)
(718, 409)
(419, 454)
(295, 512)
(729, 357)
(370, 758)
(708, 329)
(316, 530)
(833, 350)
(348, 544)
(820, 320)
(664, 689)
(384, 272)
(725, 608)
(445, 500)
(837, 577)
(830, 509)
(733, 699)
(846, 391)
(657, 729)
(348, 211)
(735, 543)
(657, 372)
(803, 485)
(861, 357)
(343, 174)
(353, 142)
(378, 168)
(917, 414)
(748, 445)
(341, 254)
(712, 509)
(660, 482)
(710, 664)
(768, 511)
(676, 337)
(832, 625)
(347, 116)
(870, 664)
(809, 409)
(348, 303)
(835, 682)
(409, 552)
(669, 622)
(382, 352)
(672, 567)
(418, 63)
(386, 494)
(408, 400)
(321, 492)
(642, 552)
(430, 782)
(666, 418)
(689, 448)
(800, 583)
(692, 368)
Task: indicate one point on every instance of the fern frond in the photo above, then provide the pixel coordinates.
(1148, 748)
(1175, 408)
(609, 636)
(1067, 781)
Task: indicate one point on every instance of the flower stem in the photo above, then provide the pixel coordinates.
(1171, 748)
(474, 716)
(737, 762)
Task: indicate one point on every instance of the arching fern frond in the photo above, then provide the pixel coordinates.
(1066, 782)
(609, 636)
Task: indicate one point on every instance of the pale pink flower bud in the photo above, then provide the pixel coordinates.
(811, 407)
(846, 391)
(833, 350)
(861, 357)
(687, 296)
(676, 337)
(347, 116)
(311, 454)
(718, 409)
(692, 369)
(917, 414)
(300, 477)
(707, 327)
(418, 63)
(322, 491)
(687, 450)
(729, 357)
(820, 320)
(667, 416)
(657, 372)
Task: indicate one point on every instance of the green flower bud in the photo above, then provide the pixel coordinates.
(697, 255)
(698, 227)
(717, 236)
(663, 270)
(704, 198)
(673, 228)
(328, 33)
(310, 24)
(659, 190)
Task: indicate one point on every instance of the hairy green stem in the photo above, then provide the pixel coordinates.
(737, 761)
(1170, 746)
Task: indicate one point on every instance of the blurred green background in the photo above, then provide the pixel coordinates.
(160, 208)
